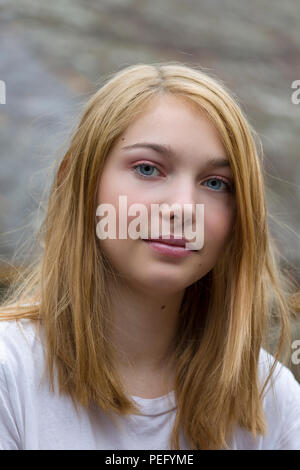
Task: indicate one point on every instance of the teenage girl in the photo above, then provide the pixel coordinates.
(132, 343)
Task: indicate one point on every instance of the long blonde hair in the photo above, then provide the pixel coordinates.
(225, 317)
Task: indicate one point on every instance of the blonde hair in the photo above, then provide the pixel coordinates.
(225, 317)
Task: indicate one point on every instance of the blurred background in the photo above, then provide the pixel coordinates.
(54, 54)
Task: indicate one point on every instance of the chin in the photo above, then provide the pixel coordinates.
(161, 283)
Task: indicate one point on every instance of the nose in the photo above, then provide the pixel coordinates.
(180, 203)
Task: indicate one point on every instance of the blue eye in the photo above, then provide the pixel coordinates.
(217, 182)
(147, 168)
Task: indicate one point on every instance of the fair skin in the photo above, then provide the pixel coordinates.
(151, 285)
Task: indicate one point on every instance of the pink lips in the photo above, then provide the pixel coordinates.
(169, 246)
(171, 240)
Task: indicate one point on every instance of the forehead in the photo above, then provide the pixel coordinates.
(172, 120)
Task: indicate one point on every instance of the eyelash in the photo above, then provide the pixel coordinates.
(134, 169)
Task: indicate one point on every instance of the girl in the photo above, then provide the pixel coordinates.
(132, 343)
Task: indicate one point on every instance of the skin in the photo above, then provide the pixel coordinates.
(150, 285)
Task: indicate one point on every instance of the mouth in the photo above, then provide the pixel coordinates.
(169, 246)
(170, 240)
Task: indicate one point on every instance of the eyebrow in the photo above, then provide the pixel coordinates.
(166, 150)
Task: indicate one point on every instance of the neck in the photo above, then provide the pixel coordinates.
(143, 326)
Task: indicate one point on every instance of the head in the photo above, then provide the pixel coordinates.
(181, 175)
(184, 109)
(227, 283)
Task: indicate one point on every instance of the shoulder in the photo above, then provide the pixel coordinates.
(283, 382)
(281, 402)
(19, 343)
(21, 359)
(15, 330)
(21, 354)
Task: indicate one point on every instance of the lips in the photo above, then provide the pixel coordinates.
(171, 240)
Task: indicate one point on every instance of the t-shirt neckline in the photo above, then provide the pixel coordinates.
(156, 406)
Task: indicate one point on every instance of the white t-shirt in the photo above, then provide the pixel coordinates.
(33, 418)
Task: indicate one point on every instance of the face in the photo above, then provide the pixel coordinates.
(146, 175)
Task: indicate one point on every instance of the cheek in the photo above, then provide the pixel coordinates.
(218, 224)
(114, 183)
(118, 251)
